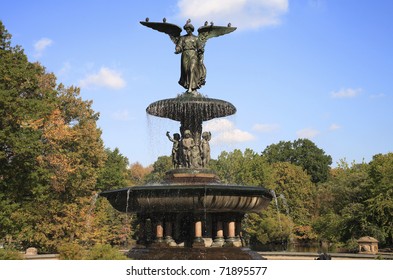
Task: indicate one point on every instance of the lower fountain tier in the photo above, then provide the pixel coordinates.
(189, 198)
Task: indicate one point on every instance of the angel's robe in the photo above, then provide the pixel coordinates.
(193, 71)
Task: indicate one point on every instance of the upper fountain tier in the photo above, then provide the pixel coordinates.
(188, 106)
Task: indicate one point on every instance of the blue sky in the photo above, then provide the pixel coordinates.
(315, 69)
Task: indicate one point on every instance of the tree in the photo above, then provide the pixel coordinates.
(246, 168)
(347, 184)
(295, 196)
(268, 227)
(290, 213)
(342, 212)
(137, 173)
(69, 163)
(304, 153)
(51, 152)
(160, 167)
(23, 107)
(380, 203)
(114, 174)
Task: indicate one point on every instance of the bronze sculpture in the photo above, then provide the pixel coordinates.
(190, 214)
(193, 70)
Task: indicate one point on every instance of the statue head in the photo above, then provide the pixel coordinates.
(187, 133)
(206, 135)
(188, 26)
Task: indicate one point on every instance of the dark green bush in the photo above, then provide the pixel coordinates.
(352, 246)
(71, 251)
(104, 252)
(74, 251)
(10, 254)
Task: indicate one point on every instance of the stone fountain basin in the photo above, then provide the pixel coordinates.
(183, 107)
(189, 198)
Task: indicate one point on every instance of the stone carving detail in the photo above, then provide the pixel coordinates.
(188, 153)
(205, 148)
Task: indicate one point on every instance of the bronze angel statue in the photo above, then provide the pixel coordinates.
(191, 47)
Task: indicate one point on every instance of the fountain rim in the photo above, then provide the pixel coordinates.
(208, 189)
(186, 101)
(176, 198)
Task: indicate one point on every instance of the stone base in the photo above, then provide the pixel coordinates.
(226, 253)
(235, 243)
(189, 176)
(198, 243)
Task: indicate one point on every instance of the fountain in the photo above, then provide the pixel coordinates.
(190, 215)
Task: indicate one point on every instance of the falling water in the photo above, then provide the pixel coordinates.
(127, 222)
(284, 201)
(128, 198)
(157, 141)
(278, 210)
(93, 201)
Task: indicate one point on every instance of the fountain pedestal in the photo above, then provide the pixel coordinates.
(189, 209)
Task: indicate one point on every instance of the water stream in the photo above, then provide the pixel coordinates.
(277, 208)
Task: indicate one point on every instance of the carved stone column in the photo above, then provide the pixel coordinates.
(231, 231)
(198, 240)
(233, 238)
(159, 231)
(219, 239)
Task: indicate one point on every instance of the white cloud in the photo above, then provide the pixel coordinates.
(122, 115)
(265, 127)
(41, 45)
(346, 93)
(218, 125)
(225, 132)
(244, 14)
(104, 78)
(232, 136)
(308, 133)
(334, 126)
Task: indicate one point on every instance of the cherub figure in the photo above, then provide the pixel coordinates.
(175, 148)
(205, 148)
(195, 157)
(191, 47)
(187, 146)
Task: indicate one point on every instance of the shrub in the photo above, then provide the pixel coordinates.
(352, 245)
(104, 252)
(10, 254)
(71, 251)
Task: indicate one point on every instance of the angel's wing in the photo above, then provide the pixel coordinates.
(168, 28)
(209, 31)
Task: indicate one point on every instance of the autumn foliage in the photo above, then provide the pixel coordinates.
(51, 161)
